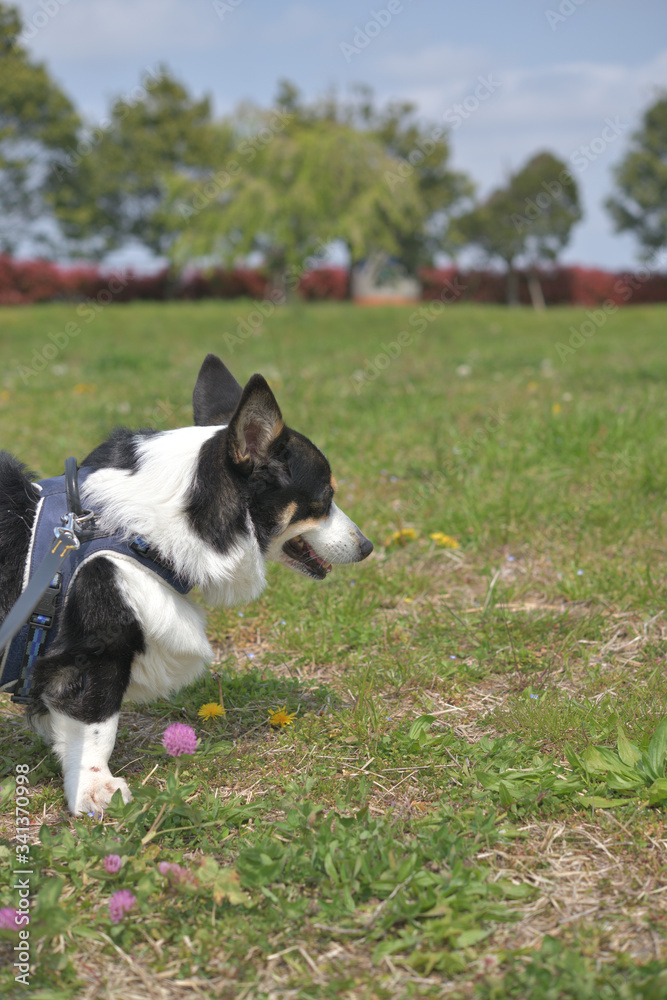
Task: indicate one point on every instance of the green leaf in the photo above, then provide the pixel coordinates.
(420, 725)
(486, 780)
(627, 751)
(472, 936)
(223, 882)
(598, 802)
(506, 797)
(657, 792)
(657, 749)
(573, 759)
(49, 893)
(512, 891)
(603, 759)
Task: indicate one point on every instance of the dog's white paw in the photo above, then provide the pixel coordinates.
(94, 792)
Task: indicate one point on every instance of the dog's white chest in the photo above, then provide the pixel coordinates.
(174, 628)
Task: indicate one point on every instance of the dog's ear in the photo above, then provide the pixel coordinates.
(216, 394)
(256, 423)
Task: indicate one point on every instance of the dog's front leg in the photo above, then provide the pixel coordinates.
(84, 749)
(79, 685)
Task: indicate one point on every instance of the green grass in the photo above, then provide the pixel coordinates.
(411, 834)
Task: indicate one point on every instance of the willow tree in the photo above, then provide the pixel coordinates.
(291, 188)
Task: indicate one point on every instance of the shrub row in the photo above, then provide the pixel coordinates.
(23, 282)
(581, 286)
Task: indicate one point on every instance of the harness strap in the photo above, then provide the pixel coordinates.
(39, 623)
(32, 624)
(72, 486)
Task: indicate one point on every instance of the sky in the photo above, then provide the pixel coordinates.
(509, 78)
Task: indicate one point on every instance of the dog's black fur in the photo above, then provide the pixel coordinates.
(253, 489)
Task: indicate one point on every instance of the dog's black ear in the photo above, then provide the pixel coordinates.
(256, 423)
(216, 394)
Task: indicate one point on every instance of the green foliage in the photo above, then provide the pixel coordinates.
(531, 218)
(639, 206)
(38, 125)
(522, 786)
(634, 774)
(630, 771)
(115, 190)
(424, 153)
(561, 972)
(308, 174)
(390, 832)
(309, 184)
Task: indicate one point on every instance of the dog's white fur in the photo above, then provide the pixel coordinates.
(84, 750)
(151, 502)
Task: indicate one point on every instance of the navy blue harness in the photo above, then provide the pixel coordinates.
(39, 632)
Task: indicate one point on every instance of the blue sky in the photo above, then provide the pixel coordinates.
(560, 71)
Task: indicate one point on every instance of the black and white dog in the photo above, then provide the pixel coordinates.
(215, 501)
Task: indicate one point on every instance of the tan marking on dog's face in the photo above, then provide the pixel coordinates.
(291, 530)
(309, 524)
(334, 484)
(288, 514)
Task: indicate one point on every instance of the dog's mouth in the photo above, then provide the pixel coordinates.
(303, 557)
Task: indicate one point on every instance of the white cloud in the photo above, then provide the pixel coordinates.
(99, 30)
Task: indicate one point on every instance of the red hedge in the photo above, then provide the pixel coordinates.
(325, 283)
(581, 286)
(23, 282)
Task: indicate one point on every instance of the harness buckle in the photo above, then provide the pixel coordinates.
(71, 524)
(42, 621)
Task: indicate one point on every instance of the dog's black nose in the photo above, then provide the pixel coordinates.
(366, 548)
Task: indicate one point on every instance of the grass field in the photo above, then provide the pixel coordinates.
(437, 820)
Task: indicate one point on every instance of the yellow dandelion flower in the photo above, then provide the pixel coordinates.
(82, 387)
(556, 409)
(211, 710)
(280, 717)
(445, 541)
(402, 536)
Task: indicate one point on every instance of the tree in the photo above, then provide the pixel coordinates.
(38, 124)
(640, 206)
(310, 173)
(114, 183)
(293, 186)
(425, 154)
(528, 221)
(421, 153)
